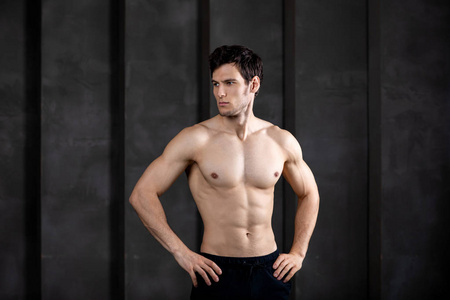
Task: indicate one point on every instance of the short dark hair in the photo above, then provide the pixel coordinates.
(248, 62)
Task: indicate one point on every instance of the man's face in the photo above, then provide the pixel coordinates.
(231, 91)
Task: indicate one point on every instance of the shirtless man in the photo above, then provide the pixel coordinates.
(233, 162)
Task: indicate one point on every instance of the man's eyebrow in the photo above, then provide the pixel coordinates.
(225, 80)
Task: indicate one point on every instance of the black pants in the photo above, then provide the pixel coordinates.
(243, 278)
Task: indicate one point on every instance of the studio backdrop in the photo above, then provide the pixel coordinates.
(92, 90)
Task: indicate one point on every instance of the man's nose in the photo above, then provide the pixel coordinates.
(221, 92)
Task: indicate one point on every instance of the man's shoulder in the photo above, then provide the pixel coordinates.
(201, 130)
(281, 136)
(187, 142)
(193, 134)
(196, 134)
(212, 124)
(286, 140)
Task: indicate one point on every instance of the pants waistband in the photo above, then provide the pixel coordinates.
(242, 260)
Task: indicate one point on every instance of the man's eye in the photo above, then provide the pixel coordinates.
(215, 84)
(230, 82)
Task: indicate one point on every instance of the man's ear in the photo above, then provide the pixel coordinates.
(255, 84)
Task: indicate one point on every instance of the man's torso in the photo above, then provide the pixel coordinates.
(232, 182)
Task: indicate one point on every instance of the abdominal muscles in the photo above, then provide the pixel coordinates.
(236, 211)
(238, 222)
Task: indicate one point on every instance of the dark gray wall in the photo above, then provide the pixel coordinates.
(415, 137)
(92, 91)
(331, 125)
(76, 186)
(13, 118)
(161, 99)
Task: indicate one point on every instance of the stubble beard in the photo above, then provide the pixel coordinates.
(237, 111)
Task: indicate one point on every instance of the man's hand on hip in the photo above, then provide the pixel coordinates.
(287, 264)
(193, 262)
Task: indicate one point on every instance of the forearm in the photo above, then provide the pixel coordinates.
(288, 264)
(151, 213)
(305, 221)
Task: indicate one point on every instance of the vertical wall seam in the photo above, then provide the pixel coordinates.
(289, 65)
(117, 150)
(33, 267)
(288, 108)
(289, 203)
(204, 46)
(374, 149)
(203, 78)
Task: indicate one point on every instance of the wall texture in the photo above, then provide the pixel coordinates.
(331, 125)
(415, 137)
(92, 91)
(13, 160)
(20, 245)
(161, 99)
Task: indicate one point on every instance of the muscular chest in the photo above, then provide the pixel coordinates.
(256, 162)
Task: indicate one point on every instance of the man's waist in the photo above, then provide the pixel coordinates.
(239, 246)
(251, 260)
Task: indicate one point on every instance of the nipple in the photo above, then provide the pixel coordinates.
(214, 175)
(276, 174)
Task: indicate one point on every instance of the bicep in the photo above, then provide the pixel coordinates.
(164, 170)
(161, 174)
(300, 177)
(297, 172)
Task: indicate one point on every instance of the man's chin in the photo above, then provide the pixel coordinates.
(227, 114)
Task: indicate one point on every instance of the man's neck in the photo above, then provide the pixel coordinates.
(242, 124)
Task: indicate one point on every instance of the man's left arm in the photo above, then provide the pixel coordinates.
(299, 176)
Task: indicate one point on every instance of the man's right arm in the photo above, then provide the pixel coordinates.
(157, 178)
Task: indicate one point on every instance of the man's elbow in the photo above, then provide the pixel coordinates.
(139, 198)
(315, 197)
(311, 195)
(134, 199)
